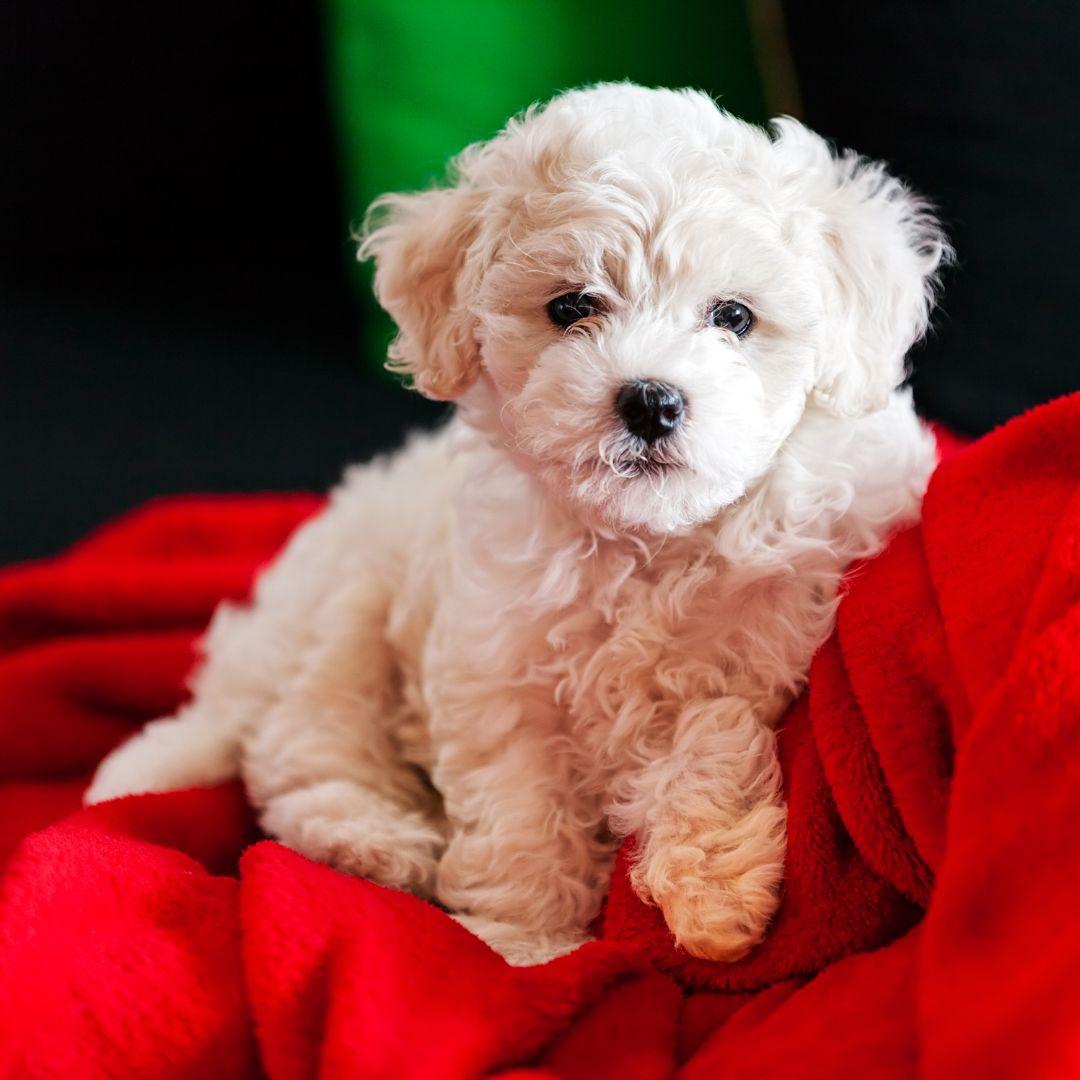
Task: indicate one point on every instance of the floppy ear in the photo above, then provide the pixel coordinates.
(882, 248)
(420, 243)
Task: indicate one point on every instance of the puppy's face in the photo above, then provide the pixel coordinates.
(642, 294)
(646, 335)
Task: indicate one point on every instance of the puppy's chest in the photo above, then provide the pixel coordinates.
(630, 664)
(531, 624)
(612, 656)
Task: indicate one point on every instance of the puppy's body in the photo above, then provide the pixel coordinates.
(516, 641)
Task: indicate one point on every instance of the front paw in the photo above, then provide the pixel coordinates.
(713, 910)
(719, 924)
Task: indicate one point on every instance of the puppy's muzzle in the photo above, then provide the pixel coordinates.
(650, 409)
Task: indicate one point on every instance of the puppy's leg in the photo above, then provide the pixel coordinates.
(323, 766)
(710, 821)
(528, 863)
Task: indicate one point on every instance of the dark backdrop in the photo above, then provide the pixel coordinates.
(176, 314)
(977, 103)
(176, 311)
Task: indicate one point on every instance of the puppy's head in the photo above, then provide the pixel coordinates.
(639, 295)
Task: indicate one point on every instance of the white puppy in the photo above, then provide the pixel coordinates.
(577, 612)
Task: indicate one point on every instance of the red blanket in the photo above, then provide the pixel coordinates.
(929, 922)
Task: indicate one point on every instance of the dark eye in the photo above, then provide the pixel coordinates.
(570, 308)
(731, 315)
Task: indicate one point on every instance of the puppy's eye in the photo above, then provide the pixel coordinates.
(571, 307)
(731, 315)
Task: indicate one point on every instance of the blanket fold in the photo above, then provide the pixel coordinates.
(932, 770)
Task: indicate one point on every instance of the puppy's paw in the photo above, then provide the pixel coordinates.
(360, 832)
(717, 905)
(719, 924)
(518, 946)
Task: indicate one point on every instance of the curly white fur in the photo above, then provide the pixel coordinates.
(522, 638)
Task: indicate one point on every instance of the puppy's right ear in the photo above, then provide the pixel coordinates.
(420, 243)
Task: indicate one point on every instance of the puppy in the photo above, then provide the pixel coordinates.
(576, 613)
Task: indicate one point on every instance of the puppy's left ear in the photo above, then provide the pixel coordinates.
(882, 248)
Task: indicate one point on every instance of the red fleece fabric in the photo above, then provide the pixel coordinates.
(929, 922)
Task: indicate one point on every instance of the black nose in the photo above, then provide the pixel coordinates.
(650, 409)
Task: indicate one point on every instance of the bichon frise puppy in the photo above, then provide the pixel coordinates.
(576, 613)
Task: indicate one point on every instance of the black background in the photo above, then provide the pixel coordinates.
(978, 105)
(176, 313)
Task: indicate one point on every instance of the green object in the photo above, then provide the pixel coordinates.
(412, 82)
